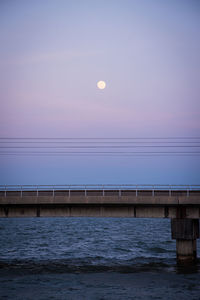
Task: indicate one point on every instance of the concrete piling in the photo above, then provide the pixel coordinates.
(185, 231)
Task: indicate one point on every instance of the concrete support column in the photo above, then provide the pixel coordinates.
(186, 250)
(185, 231)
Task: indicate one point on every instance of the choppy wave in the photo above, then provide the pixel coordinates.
(88, 258)
(62, 245)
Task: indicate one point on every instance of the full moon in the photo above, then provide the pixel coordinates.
(101, 85)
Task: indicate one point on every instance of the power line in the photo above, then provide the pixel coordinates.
(98, 142)
(95, 138)
(99, 154)
(96, 147)
(16, 145)
(111, 152)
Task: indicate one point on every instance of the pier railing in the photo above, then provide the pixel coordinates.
(6, 189)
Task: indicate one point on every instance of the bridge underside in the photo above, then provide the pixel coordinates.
(99, 210)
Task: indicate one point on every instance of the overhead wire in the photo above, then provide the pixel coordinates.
(23, 146)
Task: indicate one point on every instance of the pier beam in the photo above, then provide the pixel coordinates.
(185, 231)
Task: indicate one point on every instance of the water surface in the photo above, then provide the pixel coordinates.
(92, 258)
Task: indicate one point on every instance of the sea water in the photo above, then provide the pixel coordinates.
(92, 258)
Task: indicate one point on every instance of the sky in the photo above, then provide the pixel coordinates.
(52, 55)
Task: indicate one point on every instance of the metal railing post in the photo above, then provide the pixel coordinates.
(5, 194)
(136, 191)
(69, 192)
(188, 191)
(85, 192)
(21, 191)
(120, 193)
(103, 191)
(37, 191)
(170, 191)
(153, 191)
(53, 192)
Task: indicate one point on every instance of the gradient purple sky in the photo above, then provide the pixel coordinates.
(53, 53)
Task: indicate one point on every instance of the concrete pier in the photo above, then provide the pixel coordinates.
(185, 231)
(186, 250)
(181, 206)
